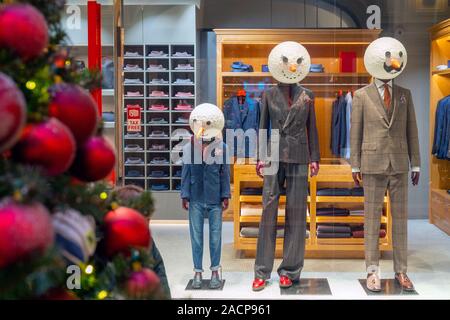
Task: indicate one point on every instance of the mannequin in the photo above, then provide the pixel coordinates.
(288, 109)
(384, 146)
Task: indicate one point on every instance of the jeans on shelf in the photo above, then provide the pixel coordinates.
(197, 213)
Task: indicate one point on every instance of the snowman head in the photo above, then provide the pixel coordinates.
(206, 121)
(289, 62)
(385, 58)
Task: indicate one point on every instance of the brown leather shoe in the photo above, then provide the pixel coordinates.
(373, 282)
(404, 281)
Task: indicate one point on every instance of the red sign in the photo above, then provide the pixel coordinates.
(133, 118)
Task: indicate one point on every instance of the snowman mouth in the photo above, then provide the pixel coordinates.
(392, 69)
(291, 75)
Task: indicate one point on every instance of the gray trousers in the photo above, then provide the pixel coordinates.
(296, 178)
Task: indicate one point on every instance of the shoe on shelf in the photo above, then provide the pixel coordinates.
(285, 282)
(373, 282)
(258, 284)
(215, 282)
(197, 281)
(404, 281)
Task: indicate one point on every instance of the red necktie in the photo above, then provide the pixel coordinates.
(387, 97)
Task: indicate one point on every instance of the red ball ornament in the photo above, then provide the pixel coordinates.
(76, 108)
(23, 30)
(59, 294)
(24, 229)
(142, 284)
(94, 161)
(12, 112)
(49, 144)
(125, 228)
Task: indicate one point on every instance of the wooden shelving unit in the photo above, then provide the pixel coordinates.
(439, 213)
(330, 175)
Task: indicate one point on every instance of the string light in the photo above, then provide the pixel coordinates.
(102, 294)
(103, 196)
(68, 63)
(31, 85)
(89, 269)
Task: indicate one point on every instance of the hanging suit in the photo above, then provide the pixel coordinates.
(298, 146)
(384, 145)
(441, 145)
(243, 117)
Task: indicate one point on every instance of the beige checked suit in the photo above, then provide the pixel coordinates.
(384, 145)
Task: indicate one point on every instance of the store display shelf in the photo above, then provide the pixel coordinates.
(258, 199)
(347, 220)
(347, 241)
(342, 199)
(445, 73)
(443, 193)
(257, 219)
(310, 75)
(135, 165)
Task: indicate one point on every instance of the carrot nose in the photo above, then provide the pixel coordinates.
(395, 63)
(200, 133)
(292, 68)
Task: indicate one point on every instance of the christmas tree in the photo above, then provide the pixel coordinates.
(64, 234)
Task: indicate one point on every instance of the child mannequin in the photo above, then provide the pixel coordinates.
(205, 187)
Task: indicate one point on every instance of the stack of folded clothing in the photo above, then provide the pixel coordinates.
(183, 66)
(134, 174)
(251, 191)
(133, 148)
(157, 54)
(133, 81)
(158, 121)
(357, 212)
(334, 192)
(158, 147)
(183, 106)
(157, 93)
(132, 135)
(316, 68)
(183, 81)
(334, 231)
(159, 160)
(160, 187)
(253, 232)
(181, 54)
(332, 212)
(108, 116)
(181, 94)
(358, 231)
(134, 94)
(156, 67)
(132, 54)
(158, 81)
(181, 120)
(157, 134)
(158, 174)
(177, 173)
(158, 107)
(134, 161)
(357, 192)
(255, 209)
(238, 66)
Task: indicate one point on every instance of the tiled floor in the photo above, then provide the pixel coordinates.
(429, 267)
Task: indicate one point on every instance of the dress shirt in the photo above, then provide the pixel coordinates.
(380, 86)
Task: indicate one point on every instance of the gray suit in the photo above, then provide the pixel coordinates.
(299, 144)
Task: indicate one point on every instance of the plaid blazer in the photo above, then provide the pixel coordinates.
(375, 140)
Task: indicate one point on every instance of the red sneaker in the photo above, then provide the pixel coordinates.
(258, 284)
(285, 282)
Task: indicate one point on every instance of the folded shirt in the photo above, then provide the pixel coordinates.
(158, 147)
(158, 133)
(316, 68)
(332, 212)
(250, 209)
(184, 95)
(253, 232)
(158, 94)
(133, 94)
(182, 120)
(178, 186)
(133, 81)
(334, 192)
(157, 54)
(177, 173)
(132, 54)
(251, 191)
(333, 235)
(156, 67)
(133, 148)
(134, 160)
(158, 81)
(359, 212)
(181, 54)
(158, 174)
(108, 116)
(334, 229)
(134, 135)
(238, 66)
(183, 107)
(158, 121)
(183, 81)
(159, 187)
(184, 67)
(132, 67)
(357, 192)
(158, 107)
(360, 233)
(159, 160)
(134, 174)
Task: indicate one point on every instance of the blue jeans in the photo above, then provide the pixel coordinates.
(197, 213)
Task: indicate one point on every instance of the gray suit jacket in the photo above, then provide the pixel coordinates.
(299, 141)
(377, 142)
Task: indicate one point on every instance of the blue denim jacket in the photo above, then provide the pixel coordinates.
(205, 183)
(242, 117)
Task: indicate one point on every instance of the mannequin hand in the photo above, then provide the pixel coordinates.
(185, 204)
(314, 168)
(259, 167)
(225, 204)
(357, 178)
(415, 178)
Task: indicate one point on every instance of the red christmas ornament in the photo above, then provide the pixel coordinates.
(125, 228)
(142, 284)
(59, 294)
(76, 108)
(23, 30)
(12, 112)
(95, 159)
(49, 144)
(24, 229)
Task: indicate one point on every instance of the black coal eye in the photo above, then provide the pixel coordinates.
(285, 60)
(401, 54)
(388, 54)
(208, 123)
(299, 60)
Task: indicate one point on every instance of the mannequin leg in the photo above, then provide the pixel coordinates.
(196, 221)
